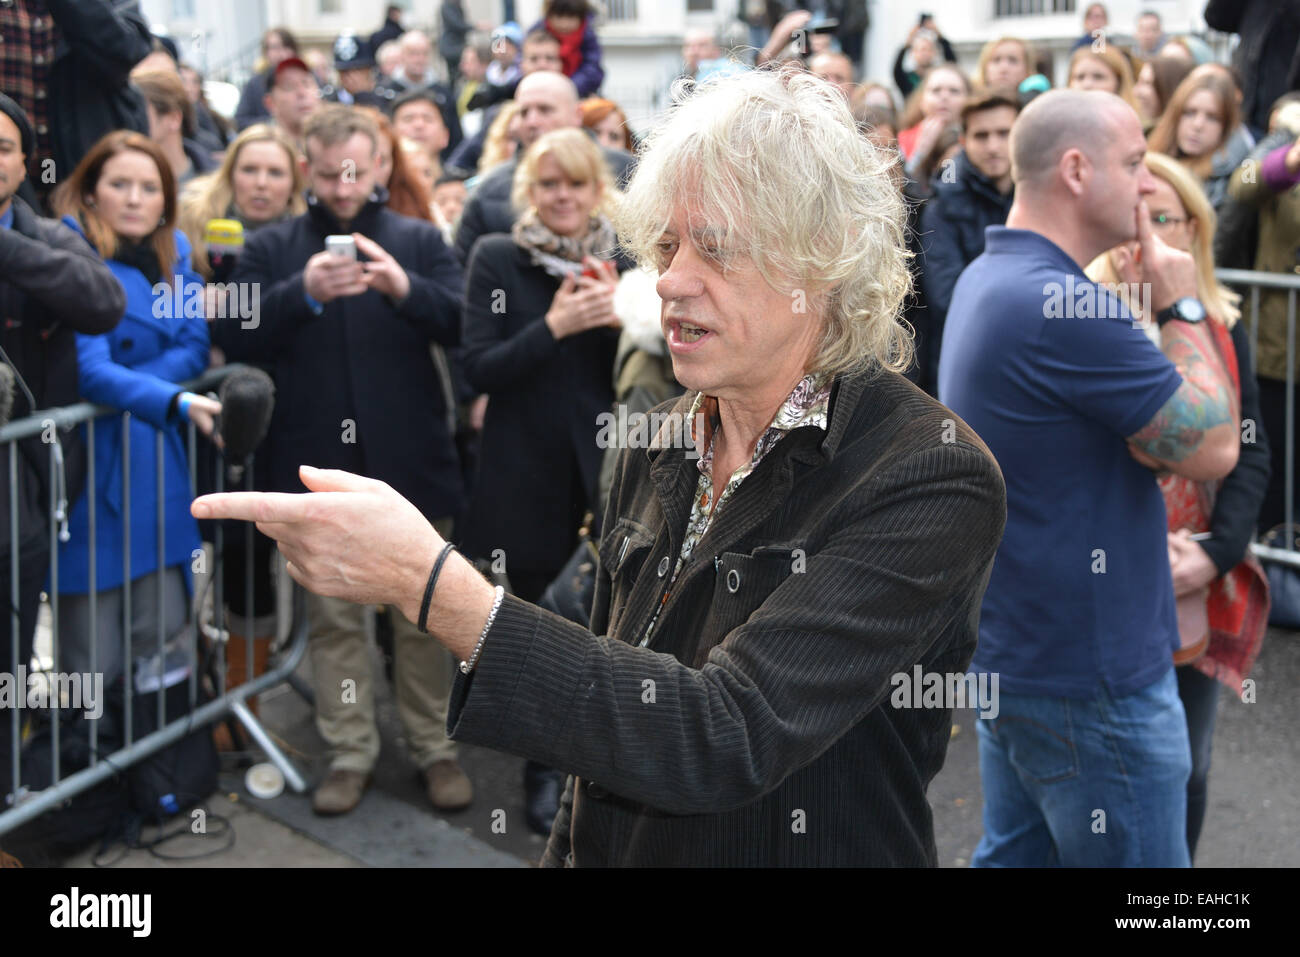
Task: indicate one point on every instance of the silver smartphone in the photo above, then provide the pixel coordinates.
(345, 247)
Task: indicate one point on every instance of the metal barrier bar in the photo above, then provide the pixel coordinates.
(56, 706)
(1254, 282)
(232, 702)
(92, 596)
(161, 603)
(1287, 491)
(53, 796)
(191, 449)
(127, 683)
(15, 626)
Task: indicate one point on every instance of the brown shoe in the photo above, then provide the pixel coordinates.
(340, 792)
(448, 787)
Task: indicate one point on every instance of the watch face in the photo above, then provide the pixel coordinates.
(1190, 310)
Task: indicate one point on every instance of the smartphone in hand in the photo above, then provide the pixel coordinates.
(345, 247)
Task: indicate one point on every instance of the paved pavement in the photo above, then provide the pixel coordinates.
(1253, 818)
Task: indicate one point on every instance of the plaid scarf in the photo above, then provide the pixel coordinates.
(562, 255)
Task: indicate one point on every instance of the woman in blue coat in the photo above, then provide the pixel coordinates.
(121, 197)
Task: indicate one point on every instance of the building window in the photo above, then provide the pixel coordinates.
(331, 6)
(699, 6)
(621, 11)
(1030, 8)
(182, 9)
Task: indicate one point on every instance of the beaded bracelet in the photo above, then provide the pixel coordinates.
(423, 623)
(467, 666)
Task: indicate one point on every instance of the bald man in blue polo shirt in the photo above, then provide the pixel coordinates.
(1086, 762)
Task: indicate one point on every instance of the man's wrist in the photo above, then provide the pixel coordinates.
(312, 304)
(1185, 308)
(460, 607)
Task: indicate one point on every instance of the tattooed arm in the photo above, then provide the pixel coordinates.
(1195, 433)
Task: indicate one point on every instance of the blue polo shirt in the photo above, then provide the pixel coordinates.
(1052, 374)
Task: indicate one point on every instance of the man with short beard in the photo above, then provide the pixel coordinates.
(356, 387)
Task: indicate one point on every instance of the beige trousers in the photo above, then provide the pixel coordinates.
(345, 697)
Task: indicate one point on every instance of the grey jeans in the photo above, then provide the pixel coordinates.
(74, 623)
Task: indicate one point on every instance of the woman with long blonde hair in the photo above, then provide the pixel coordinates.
(1220, 589)
(258, 182)
(1004, 62)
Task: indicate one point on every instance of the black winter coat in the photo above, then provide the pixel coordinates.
(538, 462)
(952, 236)
(90, 92)
(766, 699)
(252, 106)
(1236, 507)
(52, 286)
(356, 386)
(1268, 57)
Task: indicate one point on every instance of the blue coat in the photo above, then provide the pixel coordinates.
(135, 368)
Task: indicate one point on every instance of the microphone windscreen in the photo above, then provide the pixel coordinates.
(224, 239)
(6, 393)
(247, 401)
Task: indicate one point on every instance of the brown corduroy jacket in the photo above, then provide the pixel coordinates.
(757, 728)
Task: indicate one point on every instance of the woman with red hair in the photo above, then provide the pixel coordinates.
(608, 123)
(122, 198)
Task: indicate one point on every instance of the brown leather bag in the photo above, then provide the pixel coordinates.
(1193, 625)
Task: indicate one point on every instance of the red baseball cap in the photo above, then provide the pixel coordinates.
(290, 63)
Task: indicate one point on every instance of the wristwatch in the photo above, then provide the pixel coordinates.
(1187, 309)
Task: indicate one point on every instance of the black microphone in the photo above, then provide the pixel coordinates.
(224, 239)
(247, 401)
(7, 383)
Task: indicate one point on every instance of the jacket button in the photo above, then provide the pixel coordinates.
(733, 581)
(596, 791)
(663, 567)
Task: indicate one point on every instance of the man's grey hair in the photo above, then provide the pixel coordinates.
(773, 163)
(1057, 121)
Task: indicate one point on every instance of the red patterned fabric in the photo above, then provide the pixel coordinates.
(1238, 601)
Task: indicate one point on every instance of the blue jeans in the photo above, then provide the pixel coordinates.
(1086, 783)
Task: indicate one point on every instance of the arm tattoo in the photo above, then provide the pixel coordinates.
(1202, 402)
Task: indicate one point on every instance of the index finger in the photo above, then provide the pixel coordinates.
(1145, 236)
(369, 247)
(251, 506)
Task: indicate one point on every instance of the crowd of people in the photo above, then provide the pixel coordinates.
(462, 256)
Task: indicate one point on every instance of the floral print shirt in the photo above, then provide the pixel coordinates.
(807, 405)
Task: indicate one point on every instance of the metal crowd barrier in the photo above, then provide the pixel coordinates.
(1249, 283)
(226, 702)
